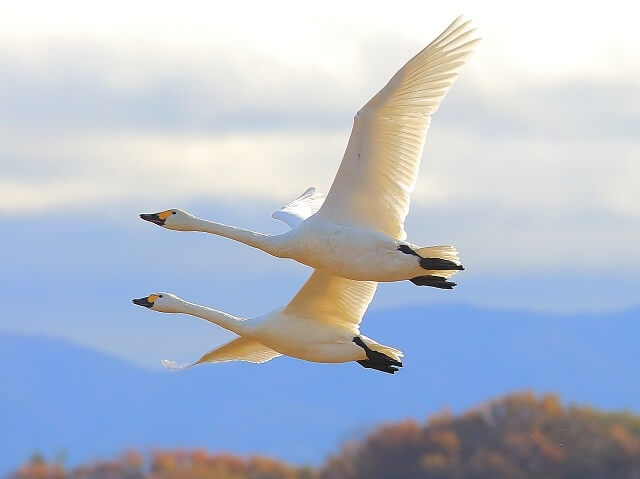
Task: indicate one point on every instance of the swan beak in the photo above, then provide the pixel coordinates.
(153, 218)
(146, 302)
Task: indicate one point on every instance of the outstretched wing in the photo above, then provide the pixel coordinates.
(239, 349)
(301, 208)
(329, 298)
(379, 168)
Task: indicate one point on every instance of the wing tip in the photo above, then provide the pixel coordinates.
(173, 365)
(297, 211)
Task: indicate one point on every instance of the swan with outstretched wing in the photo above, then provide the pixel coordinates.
(320, 324)
(357, 231)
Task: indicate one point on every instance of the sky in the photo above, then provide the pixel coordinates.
(229, 111)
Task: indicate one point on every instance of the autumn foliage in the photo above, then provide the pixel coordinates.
(516, 437)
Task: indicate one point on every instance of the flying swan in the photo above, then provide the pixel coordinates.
(357, 231)
(320, 324)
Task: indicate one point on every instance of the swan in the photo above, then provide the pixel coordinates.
(320, 324)
(357, 230)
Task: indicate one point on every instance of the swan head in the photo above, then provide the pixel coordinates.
(173, 219)
(163, 302)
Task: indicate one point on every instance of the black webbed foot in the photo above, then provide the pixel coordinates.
(376, 359)
(433, 281)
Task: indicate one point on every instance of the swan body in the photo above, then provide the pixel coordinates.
(320, 324)
(352, 252)
(357, 230)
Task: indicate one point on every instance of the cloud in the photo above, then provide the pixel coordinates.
(582, 108)
(532, 172)
(76, 125)
(97, 87)
(112, 170)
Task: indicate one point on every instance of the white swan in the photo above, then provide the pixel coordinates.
(320, 324)
(358, 232)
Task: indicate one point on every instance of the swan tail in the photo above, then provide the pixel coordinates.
(440, 263)
(445, 252)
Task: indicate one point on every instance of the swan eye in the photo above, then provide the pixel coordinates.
(159, 296)
(173, 212)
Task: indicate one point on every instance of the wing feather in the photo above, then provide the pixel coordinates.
(329, 298)
(297, 211)
(380, 166)
(239, 349)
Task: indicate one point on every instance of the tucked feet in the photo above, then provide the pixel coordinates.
(376, 359)
(433, 281)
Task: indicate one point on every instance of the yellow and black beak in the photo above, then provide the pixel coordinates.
(157, 218)
(146, 302)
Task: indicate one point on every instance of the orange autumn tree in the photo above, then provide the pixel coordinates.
(520, 436)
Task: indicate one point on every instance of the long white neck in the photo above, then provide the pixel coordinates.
(268, 243)
(239, 326)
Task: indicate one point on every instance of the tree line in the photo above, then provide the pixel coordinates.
(520, 436)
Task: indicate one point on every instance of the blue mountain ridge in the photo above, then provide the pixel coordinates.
(56, 396)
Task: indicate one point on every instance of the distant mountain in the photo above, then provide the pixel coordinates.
(56, 396)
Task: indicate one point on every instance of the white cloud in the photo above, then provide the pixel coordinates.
(548, 40)
(115, 169)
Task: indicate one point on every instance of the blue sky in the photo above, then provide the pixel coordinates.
(531, 165)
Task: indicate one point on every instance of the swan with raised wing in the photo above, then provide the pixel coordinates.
(320, 324)
(357, 232)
